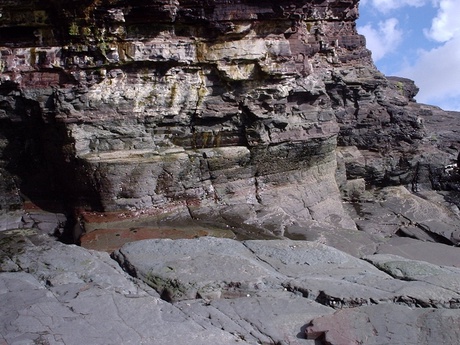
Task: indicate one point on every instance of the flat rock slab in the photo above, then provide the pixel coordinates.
(212, 267)
(443, 283)
(223, 292)
(387, 324)
(68, 295)
(302, 258)
(32, 314)
(402, 268)
(215, 268)
(409, 248)
(187, 269)
(275, 317)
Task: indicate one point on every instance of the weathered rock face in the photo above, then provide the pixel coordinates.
(241, 119)
(217, 107)
(259, 119)
(209, 290)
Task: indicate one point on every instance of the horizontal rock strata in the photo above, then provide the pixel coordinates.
(229, 110)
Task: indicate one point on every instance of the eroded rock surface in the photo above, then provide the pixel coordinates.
(60, 294)
(383, 324)
(220, 110)
(257, 117)
(261, 117)
(210, 290)
(127, 120)
(211, 104)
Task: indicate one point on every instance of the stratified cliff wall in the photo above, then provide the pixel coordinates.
(220, 109)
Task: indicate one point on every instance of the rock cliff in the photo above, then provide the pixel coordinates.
(123, 120)
(220, 107)
(204, 106)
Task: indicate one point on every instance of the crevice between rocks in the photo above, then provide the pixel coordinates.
(434, 236)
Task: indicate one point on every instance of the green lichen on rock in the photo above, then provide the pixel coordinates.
(74, 29)
(170, 289)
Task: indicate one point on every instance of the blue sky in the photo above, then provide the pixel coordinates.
(417, 39)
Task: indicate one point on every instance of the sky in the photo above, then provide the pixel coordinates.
(419, 40)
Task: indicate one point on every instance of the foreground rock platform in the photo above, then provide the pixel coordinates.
(220, 291)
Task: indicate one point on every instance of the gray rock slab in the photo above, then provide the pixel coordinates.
(351, 241)
(431, 220)
(69, 295)
(409, 248)
(338, 293)
(59, 264)
(275, 317)
(186, 269)
(253, 291)
(11, 220)
(441, 283)
(387, 324)
(224, 292)
(32, 315)
(344, 293)
(223, 268)
(300, 258)
(406, 269)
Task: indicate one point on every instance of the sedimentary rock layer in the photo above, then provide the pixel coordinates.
(122, 120)
(217, 107)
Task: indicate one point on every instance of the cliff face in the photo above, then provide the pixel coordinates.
(234, 111)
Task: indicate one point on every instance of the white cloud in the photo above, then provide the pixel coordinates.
(446, 24)
(436, 72)
(383, 39)
(388, 5)
(437, 75)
